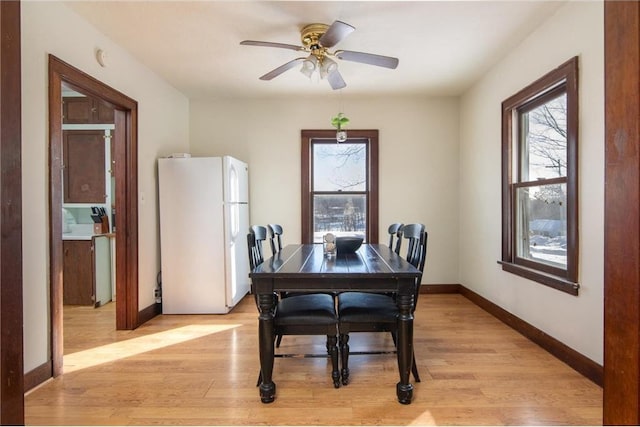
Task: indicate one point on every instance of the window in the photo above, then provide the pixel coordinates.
(339, 185)
(540, 180)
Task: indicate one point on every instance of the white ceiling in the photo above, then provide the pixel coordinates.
(443, 46)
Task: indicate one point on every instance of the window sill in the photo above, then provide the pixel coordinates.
(555, 282)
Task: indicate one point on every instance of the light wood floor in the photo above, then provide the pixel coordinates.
(201, 370)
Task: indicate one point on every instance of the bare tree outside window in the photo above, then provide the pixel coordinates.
(339, 185)
(546, 140)
(340, 167)
(542, 231)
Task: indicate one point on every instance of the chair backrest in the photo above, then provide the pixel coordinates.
(416, 237)
(416, 250)
(257, 234)
(395, 233)
(275, 231)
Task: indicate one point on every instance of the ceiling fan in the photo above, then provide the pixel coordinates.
(317, 39)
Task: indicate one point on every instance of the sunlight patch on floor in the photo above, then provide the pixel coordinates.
(123, 349)
(425, 419)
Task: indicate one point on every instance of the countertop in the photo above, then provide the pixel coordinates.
(82, 232)
(72, 236)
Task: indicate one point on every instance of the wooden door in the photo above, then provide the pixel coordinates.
(77, 110)
(104, 113)
(78, 286)
(84, 169)
(86, 110)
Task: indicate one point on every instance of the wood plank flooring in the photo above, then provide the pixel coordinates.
(202, 369)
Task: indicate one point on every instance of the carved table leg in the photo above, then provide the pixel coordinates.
(266, 342)
(344, 356)
(332, 348)
(404, 388)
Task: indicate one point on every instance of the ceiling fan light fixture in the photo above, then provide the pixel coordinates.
(328, 66)
(309, 65)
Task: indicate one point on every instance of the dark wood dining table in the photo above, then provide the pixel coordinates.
(304, 268)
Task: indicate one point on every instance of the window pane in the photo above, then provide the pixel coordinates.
(544, 132)
(541, 224)
(339, 214)
(339, 167)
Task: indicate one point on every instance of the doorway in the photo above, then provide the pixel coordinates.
(125, 198)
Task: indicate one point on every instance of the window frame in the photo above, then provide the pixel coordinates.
(307, 136)
(563, 79)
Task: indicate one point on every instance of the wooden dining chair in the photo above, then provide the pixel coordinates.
(395, 234)
(257, 235)
(303, 314)
(370, 312)
(275, 240)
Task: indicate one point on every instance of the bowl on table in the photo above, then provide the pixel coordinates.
(348, 244)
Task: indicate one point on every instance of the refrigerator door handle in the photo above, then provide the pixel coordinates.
(235, 220)
(234, 184)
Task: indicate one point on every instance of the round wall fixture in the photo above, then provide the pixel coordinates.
(101, 57)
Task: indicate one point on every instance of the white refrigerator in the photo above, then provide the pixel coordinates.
(204, 220)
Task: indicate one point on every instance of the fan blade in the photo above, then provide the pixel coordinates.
(335, 33)
(368, 58)
(271, 44)
(281, 69)
(335, 80)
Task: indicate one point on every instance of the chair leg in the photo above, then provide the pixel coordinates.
(332, 348)
(344, 356)
(278, 340)
(414, 368)
(259, 379)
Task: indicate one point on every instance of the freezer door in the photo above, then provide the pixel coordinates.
(191, 236)
(236, 252)
(236, 180)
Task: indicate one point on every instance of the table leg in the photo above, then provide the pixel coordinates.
(404, 388)
(266, 342)
(344, 356)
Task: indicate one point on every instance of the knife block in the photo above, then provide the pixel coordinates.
(101, 227)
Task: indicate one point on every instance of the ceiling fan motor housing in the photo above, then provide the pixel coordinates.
(310, 36)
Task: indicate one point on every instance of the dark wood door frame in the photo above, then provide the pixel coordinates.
(621, 404)
(126, 175)
(11, 316)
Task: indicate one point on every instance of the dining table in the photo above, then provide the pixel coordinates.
(306, 268)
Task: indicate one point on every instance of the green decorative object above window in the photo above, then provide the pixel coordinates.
(339, 122)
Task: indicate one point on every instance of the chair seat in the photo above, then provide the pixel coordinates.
(310, 309)
(363, 307)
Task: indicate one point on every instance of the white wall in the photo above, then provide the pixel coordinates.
(576, 29)
(50, 27)
(418, 160)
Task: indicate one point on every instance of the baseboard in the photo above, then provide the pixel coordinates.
(440, 289)
(575, 360)
(149, 313)
(37, 376)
